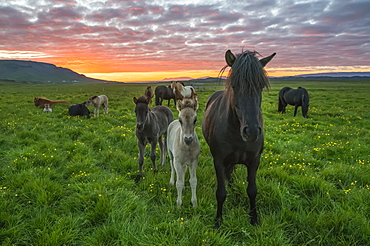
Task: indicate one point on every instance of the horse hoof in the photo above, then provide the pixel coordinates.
(217, 226)
(138, 178)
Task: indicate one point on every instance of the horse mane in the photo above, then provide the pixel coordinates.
(247, 74)
(187, 103)
(142, 99)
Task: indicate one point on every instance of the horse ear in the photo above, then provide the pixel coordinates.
(230, 58)
(266, 60)
(196, 104)
(135, 100)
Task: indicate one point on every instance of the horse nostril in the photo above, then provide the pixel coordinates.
(140, 126)
(188, 140)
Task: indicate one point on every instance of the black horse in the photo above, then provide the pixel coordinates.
(296, 97)
(79, 110)
(164, 93)
(233, 126)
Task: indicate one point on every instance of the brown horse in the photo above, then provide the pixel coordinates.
(232, 125)
(41, 101)
(149, 93)
(164, 93)
(181, 91)
(151, 127)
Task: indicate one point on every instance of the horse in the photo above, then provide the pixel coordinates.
(232, 125)
(149, 93)
(98, 101)
(296, 97)
(79, 109)
(181, 91)
(183, 147)
(164, 93)
(47, 108)
(41, 101)
(151, 125)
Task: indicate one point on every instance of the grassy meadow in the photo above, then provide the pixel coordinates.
(71, 180)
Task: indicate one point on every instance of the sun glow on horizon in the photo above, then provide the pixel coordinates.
(195, 74)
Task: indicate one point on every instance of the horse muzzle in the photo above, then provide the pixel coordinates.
(140, 126)
(251, 134)
(188, 139)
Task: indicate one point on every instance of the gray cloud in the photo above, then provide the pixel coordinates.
(191, 36)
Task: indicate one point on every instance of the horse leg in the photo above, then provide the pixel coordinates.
(252, 190)
(105, 106)
(180, 173)
(193, 182)
(172, 179)
(153, 155)
(228, 171)
(141, 147)
(295, 110)
(221, 191)
(162, 148)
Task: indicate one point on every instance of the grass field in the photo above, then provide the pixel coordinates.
(70, 180)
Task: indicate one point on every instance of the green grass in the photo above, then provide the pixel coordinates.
(70, 180)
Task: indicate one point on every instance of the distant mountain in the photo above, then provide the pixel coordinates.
(39, 72)
(177, 79)
(340, 74)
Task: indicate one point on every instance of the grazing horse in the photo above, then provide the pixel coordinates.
(149, 93)
(181, 91)
(79, 109)
(164, 93)
(183, 147)
(98, 101)
(41, 101)
(296, 97)
(151, 125)
(232, 125)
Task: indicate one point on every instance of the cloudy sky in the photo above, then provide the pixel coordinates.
(140, 40)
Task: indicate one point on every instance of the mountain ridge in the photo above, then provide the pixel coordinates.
(40, 72)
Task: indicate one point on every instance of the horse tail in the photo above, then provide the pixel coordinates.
(61, 101)
(305, 102)
(280, 106)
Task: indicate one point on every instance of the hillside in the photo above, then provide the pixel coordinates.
(39, 72)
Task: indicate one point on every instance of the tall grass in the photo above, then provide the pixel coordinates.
(70, 180)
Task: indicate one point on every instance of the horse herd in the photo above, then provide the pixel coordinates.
(79, 109)
(232, 126)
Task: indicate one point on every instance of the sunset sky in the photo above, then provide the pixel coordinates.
(144, 40)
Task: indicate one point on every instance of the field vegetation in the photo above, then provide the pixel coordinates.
(71, 180)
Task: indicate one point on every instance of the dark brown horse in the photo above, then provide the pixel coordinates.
(296, 97)
(164, 93)
(151, 126)
(233, 127)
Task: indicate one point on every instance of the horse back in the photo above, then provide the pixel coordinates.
(213, 97)
(164, 117)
